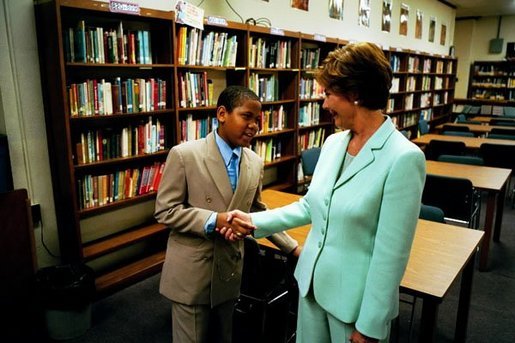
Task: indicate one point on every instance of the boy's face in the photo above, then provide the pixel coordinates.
(238, 127)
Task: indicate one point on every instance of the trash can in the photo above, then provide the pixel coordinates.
(66, 293)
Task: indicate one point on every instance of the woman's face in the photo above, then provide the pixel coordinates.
(341, 108)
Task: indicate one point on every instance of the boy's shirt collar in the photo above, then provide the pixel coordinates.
(225, 149)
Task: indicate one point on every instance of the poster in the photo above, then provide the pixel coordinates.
(364, 13)
(418, 24)
(387, 16)
(300, 4)
(336, 9)
(432, 26)
(443, 34)
(403, 22)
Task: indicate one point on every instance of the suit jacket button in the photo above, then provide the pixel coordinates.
(208, 200)
(320, 244)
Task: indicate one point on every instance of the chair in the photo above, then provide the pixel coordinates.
(500, 156)
(437, 147)
(472, 160)
(455, 128)
(500, 122)
(503, 131)
(458, 133)
(476, 122)
(406, 133)
(423, 126)
(500, 136)
(461, 118)
(455, 196)
(263, 305)
(309, 159)
(432, 213)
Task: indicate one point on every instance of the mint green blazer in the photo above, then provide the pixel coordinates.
(363, 223)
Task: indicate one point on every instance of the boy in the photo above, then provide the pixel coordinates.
(202, 179)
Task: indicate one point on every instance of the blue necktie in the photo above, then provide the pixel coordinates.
(232, 171)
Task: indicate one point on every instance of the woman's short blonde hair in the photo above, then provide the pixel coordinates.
(359, 71)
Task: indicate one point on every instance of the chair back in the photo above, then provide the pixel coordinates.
(309, 159)
(498, 155)
(458, 133)
(501, 122)
(461, 118)
(503, 131)
(455, 128)
(500, 136)
(455, 196)
(471, 160)
(436, 148)
(432, 213)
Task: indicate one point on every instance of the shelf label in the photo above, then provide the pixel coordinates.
(123, 7)
(217, 21)
(319, 37)
(276, 31)
(189, 14)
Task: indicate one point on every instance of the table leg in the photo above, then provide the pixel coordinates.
(428, 319)
(467, 275)
(489, 223)
(499, 212)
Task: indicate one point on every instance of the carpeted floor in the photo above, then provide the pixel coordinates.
(139, 314)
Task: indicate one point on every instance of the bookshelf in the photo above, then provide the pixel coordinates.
(108, 83)
(492, 81)
(422, 87)
(112, 120)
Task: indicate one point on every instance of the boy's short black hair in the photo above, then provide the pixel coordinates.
(233, 96)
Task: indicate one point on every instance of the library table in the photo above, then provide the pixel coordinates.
(486, 120)
(475, 128)
(472, 143)
(491, 180)
(438, 255)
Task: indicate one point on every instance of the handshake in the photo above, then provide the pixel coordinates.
(234, 225)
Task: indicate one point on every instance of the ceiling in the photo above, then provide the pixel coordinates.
(471, 8)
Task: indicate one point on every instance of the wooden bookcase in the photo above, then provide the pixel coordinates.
(423, 87)
(492, 80)
(117, 235)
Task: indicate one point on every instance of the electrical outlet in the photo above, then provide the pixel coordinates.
(36, 214)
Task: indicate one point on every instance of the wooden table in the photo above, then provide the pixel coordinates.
(470, 142)
(438, 255)
(476, 128)
(491, 180)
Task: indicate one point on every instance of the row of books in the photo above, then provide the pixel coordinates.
(105, 144)
(198, 47)
(310, 89)
(195, 90)
(489, 69)
(309, 114)
(84, 44)
(488, 82)
(405, 120)
(311, 139)
(273, 119)
(309, 58)
(268, 149)
(100, 190)
(101, 97)
(266, 86)
(192, 129)
(268, 53)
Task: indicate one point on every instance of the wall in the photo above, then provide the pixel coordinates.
(21, 105)
(472, 38)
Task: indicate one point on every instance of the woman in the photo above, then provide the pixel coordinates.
(363, 204)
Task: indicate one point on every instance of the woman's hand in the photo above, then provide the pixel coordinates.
(358, 337)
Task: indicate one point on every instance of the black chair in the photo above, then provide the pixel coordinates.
(263, 305)
(455, 128)
(437, 147)
(455, 196)
(471, 160)
(500, 156)
(309, 159)
(500, 122)
(458, 133)
(432, 213)
(500, 136)
(503, 131)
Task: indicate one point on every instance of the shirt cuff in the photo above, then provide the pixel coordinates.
(210, 225)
